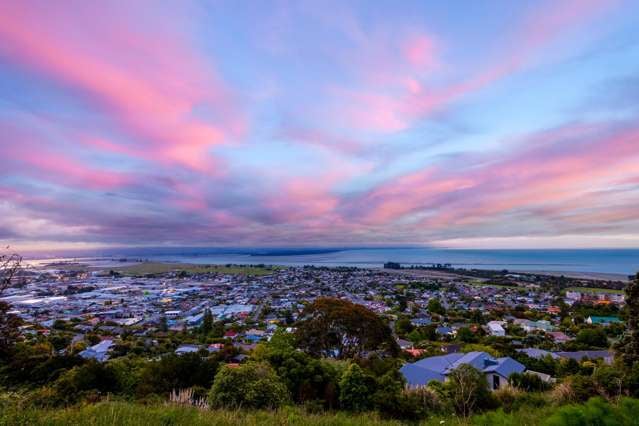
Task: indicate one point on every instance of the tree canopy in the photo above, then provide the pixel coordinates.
(628, 348)
(338, 328)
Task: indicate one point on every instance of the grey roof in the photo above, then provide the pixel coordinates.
(579, 355)
(537, 353)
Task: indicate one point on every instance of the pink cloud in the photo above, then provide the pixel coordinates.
(543, 171)
(397, 101)
(149, 85)
(30, 157)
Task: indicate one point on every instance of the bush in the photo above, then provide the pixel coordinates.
(252, 385)
(595, 412)
(527, 382)
(608, 381)
(467, 390)
(175, 372)
(86, 382)
(355, 392)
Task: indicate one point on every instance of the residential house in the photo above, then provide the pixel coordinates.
(495, 328)
(605, 321)
(98, 352)
(496, 370)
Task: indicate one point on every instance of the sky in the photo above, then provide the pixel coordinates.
(492, 124)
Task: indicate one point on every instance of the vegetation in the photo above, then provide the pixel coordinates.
(595, 412)
(341, 366)
(335, 327)
(628, 348)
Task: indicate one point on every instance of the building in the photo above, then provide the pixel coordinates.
(99, 352)
(497, 370)
(602, 320)
(186, 349)
(495, 328)
(579, 356)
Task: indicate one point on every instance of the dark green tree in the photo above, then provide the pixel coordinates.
(10, 265)
(592, 337)
(9, 330)
(338, 328)
(628, 347)
(207, 323)
(164, 327)
(435, 307)
(176, 372)
(355, 393)
(251, 385)
(465, 335)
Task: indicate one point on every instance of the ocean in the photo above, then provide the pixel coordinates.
(608, 261)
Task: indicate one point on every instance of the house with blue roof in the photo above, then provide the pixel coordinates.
(497, 370)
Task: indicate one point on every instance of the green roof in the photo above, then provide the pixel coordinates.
(599, 320)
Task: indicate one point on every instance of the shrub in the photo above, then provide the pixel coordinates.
(355, 393)
(596, 412)
(252, 385)
(608, 381)
(527, 382)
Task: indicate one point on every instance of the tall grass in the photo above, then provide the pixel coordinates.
(595, 412)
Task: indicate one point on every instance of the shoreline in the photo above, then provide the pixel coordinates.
(99, 264)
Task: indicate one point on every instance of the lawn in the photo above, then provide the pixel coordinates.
(147, 268)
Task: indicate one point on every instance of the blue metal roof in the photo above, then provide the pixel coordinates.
(438, 367)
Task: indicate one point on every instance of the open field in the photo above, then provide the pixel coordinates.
(484, 283)
(147, 268)
(595, 290)
(597, 276)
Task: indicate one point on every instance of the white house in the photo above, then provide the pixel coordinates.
(495, 328)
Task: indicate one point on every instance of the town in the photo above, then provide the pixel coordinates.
(384, 337)
(97, 311)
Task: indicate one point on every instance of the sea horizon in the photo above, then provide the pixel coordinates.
(623, 261)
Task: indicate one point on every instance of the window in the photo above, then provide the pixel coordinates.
(496, 382)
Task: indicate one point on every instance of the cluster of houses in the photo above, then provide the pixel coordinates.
(254, 307)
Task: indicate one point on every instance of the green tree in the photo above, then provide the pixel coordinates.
(592, 337)
(207, 323)
(218, 329)
(9, 330)
(628, 347)
(355, 393)
(403, 326)
(251, 385)
(467, 389)
(91, 376)
(334, 327)
(10, 266)
(164, 327)
(465, 335)
(176, 372)
(436, 307)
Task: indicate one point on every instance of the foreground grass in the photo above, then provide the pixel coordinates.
(120, 413)
(147, 268)
(594, 413)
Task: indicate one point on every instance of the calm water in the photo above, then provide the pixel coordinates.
(618, 261)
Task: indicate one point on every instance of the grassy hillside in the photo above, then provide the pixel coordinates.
(595, 412)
